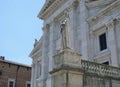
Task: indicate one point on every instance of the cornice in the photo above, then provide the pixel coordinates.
(107, 23)
(104, 11)
(97, 3)
(45, 12)
(36, 50)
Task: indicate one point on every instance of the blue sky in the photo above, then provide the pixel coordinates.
(19, 26)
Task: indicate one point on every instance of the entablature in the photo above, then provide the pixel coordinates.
(50, 7)
(97, 3)
(105, 15)
(106, 24)
(104, 11)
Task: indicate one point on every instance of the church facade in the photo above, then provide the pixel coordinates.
(80, 45)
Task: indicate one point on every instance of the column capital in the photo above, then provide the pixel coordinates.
(55, 19)
(75, 4)
(110, 24)
(66, 13)
(118, 18)
(46, 27)
(33, 64)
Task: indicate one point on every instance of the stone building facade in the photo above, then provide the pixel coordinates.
(14, 74)
(75, 58)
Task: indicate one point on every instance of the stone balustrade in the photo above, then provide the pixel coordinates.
(68, 57)
(100, 69)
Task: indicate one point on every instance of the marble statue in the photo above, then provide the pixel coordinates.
(65, 35)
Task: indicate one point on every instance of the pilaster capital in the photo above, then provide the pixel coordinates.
(33, 64)
(75, 4)
(46, 27)
(118, 18)
(55, 20)
(110, 24)
(66, 13)
(91, 32)
(38, 61)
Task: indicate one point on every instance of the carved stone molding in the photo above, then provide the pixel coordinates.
(33, 64)
(55, 20)
(75, 4)
(44, 13)
(66, 13)
(110, 24)
(46, 27)
(118, 18)
(38, 61)
(104, 11)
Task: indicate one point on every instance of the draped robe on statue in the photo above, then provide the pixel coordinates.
(65, 35)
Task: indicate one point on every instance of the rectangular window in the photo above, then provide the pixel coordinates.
(102, 42)
(28, 84)
(11, 83)
(106, 63)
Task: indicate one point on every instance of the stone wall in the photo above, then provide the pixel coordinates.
(87, 74)
(95, 81)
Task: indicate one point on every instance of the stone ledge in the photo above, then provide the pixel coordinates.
(83, 71)
(66, 67)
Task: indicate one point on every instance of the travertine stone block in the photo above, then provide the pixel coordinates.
(67, 57)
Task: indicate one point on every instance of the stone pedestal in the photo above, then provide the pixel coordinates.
(66, 71)
(67, 57)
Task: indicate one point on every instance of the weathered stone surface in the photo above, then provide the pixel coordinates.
(87, 20)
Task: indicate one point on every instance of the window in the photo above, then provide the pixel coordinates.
(28, 84)
(106, 63)
(11, 83)
(102, 42)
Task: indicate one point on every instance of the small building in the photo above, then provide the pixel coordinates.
(14, 74)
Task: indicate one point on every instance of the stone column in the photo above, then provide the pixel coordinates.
(52, 51)
(35, 74)
(32, 76)
(45, 59)
(91, 44)
(52, 45)
(84, 29)
(112, 42)
(118, 48)
(73, 24)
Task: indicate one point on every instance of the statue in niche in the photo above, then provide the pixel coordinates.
(65, 35)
